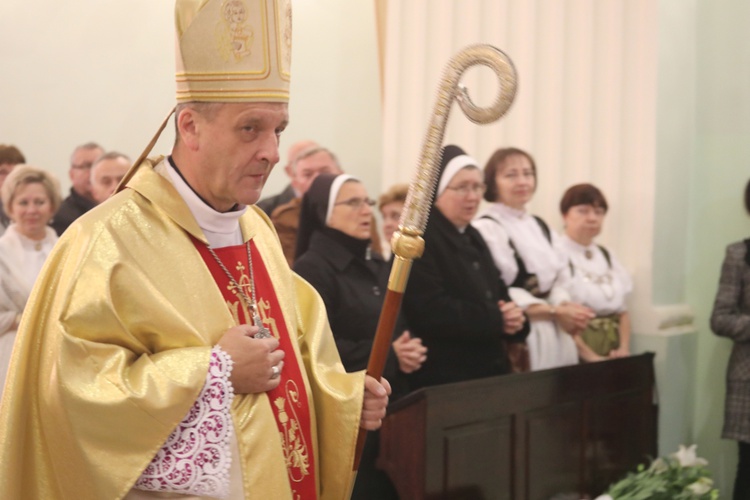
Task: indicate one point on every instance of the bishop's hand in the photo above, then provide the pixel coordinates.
(375, 403)
(257, 362)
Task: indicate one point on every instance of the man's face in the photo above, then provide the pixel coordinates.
(106, 175)
(80, 170)
(294, 151)
(308, 168)
(236, 149)
(5, 169)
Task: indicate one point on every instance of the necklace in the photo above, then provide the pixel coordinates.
(603, 281)
(263, 332)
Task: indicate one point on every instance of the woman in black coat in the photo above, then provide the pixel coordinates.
(455, 300)
(334, 255)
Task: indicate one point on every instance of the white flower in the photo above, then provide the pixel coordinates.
(604, 497)
(688, 458)
(659, 466)
(702, 486)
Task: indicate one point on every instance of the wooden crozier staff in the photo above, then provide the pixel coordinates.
(407, 243)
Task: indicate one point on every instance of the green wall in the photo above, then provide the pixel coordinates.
(716, 216)
(675, 135)
(703, 163)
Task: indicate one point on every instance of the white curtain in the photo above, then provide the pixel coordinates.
(585, 107)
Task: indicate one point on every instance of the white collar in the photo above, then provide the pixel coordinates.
(221, 229)
(29, 245)
(575, 246)
(508, 211)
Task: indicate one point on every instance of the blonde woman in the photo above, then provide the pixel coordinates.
(30, 198)
(390, 204)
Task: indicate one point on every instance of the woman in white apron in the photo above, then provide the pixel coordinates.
(598, 280)
(523, 249)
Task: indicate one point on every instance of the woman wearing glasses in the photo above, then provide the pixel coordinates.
(455, 300)
(336, 257)
(523, 250)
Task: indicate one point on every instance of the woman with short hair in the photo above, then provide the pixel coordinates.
(391, 204)
(30, 198)
(598, 280)
(523, 249)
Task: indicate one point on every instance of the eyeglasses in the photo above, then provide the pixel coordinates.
(82, 166)
(465, 189)
(356, 203)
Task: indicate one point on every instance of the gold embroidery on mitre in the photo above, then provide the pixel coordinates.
(233, 50)
(296, 453)
(234, 36)
(284, 30)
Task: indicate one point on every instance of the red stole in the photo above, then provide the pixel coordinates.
(289, 399)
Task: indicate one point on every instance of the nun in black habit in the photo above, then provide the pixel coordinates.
(456, 301)
(334, 255)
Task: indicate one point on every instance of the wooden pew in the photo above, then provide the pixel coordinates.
(562, 433)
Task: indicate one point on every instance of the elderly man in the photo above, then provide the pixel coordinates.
(80, 200)
(268, 205)
(10, 156)
(106, 174)
(306, 167)
(168, 350)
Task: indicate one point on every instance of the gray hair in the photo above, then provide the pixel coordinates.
(207, 109)
(88, 146)
(109, 155)
(313, 151)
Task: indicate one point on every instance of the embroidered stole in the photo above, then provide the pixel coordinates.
(288, 400)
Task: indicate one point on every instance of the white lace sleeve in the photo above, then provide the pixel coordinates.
(196, 457)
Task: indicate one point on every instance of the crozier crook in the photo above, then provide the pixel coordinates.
(407, 243)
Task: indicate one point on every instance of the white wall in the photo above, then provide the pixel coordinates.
(83, 70)
(103, 70)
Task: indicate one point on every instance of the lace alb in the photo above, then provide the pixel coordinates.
(196, 457)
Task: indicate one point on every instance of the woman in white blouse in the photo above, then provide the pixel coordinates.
(598, 280)
(30, 198)
(523, 248)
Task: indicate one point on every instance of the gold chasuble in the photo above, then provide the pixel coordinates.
(114, 349)
(289, 398)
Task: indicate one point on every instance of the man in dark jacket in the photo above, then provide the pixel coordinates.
(268, 205)
(80, 200)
